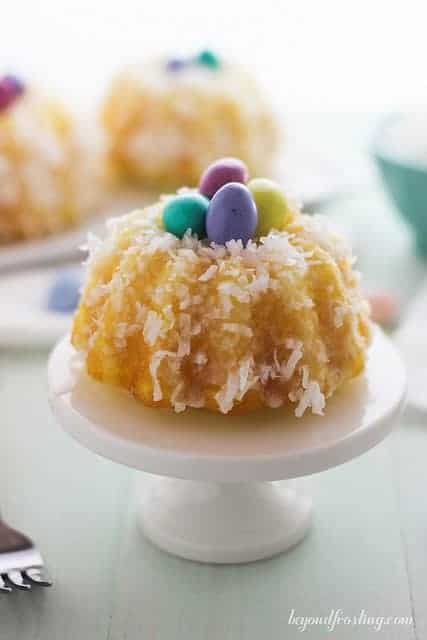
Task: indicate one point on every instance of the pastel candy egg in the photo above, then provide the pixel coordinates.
(272, 206)
(220, 172)
(384, 307)
(208, 58)
(232, 214)
(186, 211)
(16, 86)
(6, 98)
(175, 64)
(64, 293)
(10, 89)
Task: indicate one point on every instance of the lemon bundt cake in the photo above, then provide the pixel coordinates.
(167, 119)
(261, 308)
(49, 179)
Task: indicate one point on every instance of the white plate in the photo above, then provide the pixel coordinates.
(62, 246)
(65, 246)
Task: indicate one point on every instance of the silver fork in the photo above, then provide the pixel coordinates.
(21, 564)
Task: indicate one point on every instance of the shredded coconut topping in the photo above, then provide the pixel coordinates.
(154, 365)
(229, 392)
(152, 327)
(287, 369)
(209, 273)
(310, 397)
(204, 313)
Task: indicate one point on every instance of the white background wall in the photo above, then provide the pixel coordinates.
(328, 55)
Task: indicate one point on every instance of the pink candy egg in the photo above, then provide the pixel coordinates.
(220, 173)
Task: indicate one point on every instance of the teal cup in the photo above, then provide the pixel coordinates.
(405, 182)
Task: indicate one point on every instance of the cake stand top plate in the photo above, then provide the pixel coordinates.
(199, 445)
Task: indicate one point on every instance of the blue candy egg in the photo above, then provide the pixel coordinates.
(232, 214)
(186, 211)
(208, 58)
(64, 293)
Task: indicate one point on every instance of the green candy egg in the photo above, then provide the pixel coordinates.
(208, 58)
(186, 211)
(273, 208)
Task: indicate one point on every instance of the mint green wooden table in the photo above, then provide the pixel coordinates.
(112, 584)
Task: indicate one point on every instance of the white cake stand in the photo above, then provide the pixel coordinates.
(224, 507)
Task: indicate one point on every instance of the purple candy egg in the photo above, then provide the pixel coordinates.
(6, 96)
(232, 214)
(10, 89)
(15, 85)
(220, 173)
(175, 64)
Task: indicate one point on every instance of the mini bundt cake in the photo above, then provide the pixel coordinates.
(166, 120)
(49, 178)
(234, 321)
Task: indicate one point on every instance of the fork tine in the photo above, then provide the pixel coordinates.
(34, 575)
(14, 578)
(3, 587)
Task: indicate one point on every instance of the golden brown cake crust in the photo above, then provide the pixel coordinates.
(49, 178)
(163, 129)
(182, 324)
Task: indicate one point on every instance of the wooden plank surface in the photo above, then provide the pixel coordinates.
(352, 560)
(68, 500)
(409, 448)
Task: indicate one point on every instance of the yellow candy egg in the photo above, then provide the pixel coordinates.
(273, 209)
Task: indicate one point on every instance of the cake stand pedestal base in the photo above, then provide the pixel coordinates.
(223, 523)
(226, 507)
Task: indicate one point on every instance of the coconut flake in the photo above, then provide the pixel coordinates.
(321, 231)
(184, 296)
(95, 295)
(236, 327)
(152, 327)
(234, 247)
(259, 284)
(163, 243)
(155, 362)
(339, 312)
(287, 368)
(311, 397)
(178, 405)
(244, 373)
(231, 289)
(141, 312)
(305, 370)
(228, 392)
(276, 247)
(246, 378)
(209, 273)
(184, 344)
